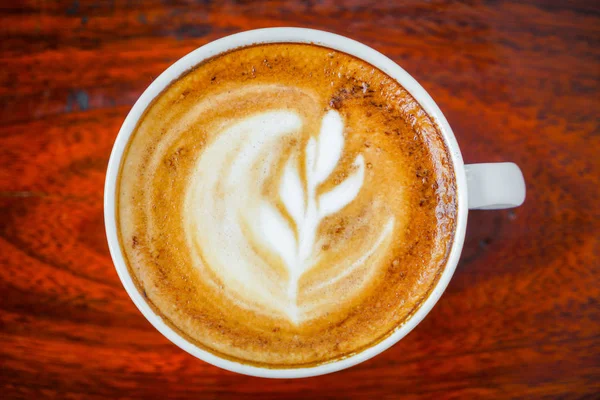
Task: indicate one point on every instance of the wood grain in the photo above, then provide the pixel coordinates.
(517, 80)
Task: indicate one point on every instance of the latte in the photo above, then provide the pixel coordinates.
(285, 205)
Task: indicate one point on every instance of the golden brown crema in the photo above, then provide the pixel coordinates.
(286, 205)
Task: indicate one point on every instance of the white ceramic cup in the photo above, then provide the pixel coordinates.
(479, 186)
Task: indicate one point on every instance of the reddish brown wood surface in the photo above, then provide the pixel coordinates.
(518, 80)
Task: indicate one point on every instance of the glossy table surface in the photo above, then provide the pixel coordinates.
(517, 80)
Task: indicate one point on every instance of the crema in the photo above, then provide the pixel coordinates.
(285, 205)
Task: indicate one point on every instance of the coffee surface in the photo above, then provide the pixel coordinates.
(285, 205)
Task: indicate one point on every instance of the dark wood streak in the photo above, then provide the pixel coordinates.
(518, 80)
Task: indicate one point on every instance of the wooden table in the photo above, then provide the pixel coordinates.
(518, 80)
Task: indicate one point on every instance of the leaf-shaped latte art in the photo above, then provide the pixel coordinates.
(259, 248)
(322, 156)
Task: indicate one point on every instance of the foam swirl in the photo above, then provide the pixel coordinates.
(261, 246)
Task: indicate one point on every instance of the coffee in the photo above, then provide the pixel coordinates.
(285, 205)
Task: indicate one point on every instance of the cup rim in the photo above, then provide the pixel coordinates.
(283, 35)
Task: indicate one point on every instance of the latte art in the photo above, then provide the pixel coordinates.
(242, 234)
(285, 205)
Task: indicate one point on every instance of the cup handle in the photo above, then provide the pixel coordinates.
(494, 186)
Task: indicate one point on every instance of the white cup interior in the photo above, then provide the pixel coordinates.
(283, 35)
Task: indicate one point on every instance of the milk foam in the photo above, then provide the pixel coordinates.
(257, 250)
(273, 232)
